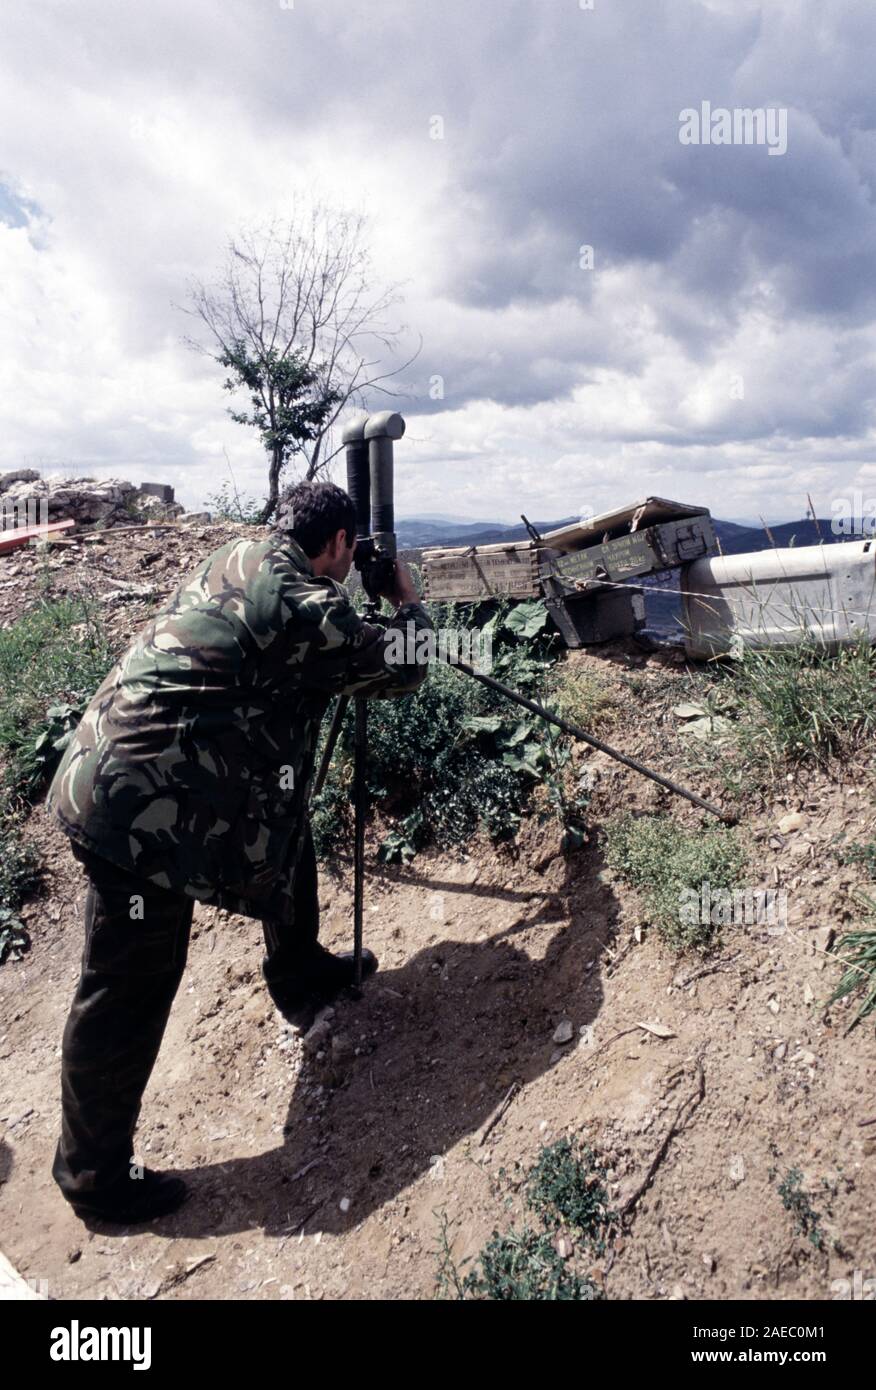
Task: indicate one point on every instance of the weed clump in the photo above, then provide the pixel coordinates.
(565, 1190)
(807, 1221)
(797, 706)
(525, 1266)
(669, 866)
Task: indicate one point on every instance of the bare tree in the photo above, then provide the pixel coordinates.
(296, 320)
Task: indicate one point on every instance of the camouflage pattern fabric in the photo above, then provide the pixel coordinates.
(192, 765)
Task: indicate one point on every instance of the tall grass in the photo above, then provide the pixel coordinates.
(796, 707)
(856, 950)
(51, 662)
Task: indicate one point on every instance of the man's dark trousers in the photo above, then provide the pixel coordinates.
(136, 944)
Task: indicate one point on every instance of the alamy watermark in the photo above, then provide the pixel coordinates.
(740, 907)
(853, 516)
(83, 1343)
(743, 125)
(417, 646)
(854, 1290)
(15, 514)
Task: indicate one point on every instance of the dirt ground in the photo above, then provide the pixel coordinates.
(327, 1170)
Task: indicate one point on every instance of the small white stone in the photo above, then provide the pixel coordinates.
(737, 1168)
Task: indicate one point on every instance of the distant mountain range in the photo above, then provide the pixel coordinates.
(414, 533)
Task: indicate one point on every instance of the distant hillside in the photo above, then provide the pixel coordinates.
(417, 532)
(736, 540)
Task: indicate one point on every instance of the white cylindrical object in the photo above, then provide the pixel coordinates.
(778, 598)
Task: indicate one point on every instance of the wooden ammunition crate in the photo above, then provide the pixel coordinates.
(471, 574)
(655, 548)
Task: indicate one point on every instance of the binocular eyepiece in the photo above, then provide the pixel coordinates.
(368, 441)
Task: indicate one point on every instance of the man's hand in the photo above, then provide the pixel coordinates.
(401, 588)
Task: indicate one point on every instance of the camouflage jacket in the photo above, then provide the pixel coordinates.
(192, 765)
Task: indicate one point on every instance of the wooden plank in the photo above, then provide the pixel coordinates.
(631, 518)
(20, 535)
(500, 548)
(478, 574)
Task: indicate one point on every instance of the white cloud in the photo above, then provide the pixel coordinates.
(144, 133)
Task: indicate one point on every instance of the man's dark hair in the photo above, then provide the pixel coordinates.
(312, 513)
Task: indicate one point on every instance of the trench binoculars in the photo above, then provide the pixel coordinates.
(368, 441)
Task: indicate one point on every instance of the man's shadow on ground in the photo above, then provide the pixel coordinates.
(446, 1036)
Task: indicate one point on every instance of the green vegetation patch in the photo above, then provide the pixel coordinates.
(565, 1190)
(669, 865)
(51, 662)
(456, 757)
(802, 706)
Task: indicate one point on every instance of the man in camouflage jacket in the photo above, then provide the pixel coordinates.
(188, 778)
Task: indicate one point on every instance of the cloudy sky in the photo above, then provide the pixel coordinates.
(720, 349)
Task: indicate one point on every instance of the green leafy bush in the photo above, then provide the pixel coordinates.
(665, 862)
(454, 757)
(566, 1187)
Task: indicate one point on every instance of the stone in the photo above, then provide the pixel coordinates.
(163, 491)
(564, 1032)
(736, 1170)
(18, 475)
(86, 501)
(317, 1038)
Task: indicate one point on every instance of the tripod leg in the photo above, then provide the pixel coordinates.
(360, 797)
(331, 739)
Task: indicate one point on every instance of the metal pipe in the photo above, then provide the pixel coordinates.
(340, 711)
(380, 432)
(577, 732)
(358, 475)
(360, 800)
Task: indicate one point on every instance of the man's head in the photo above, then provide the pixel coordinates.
(320, 517)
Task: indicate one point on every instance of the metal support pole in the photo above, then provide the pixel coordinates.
(360, 804)
(340, 711)
(577, 732)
